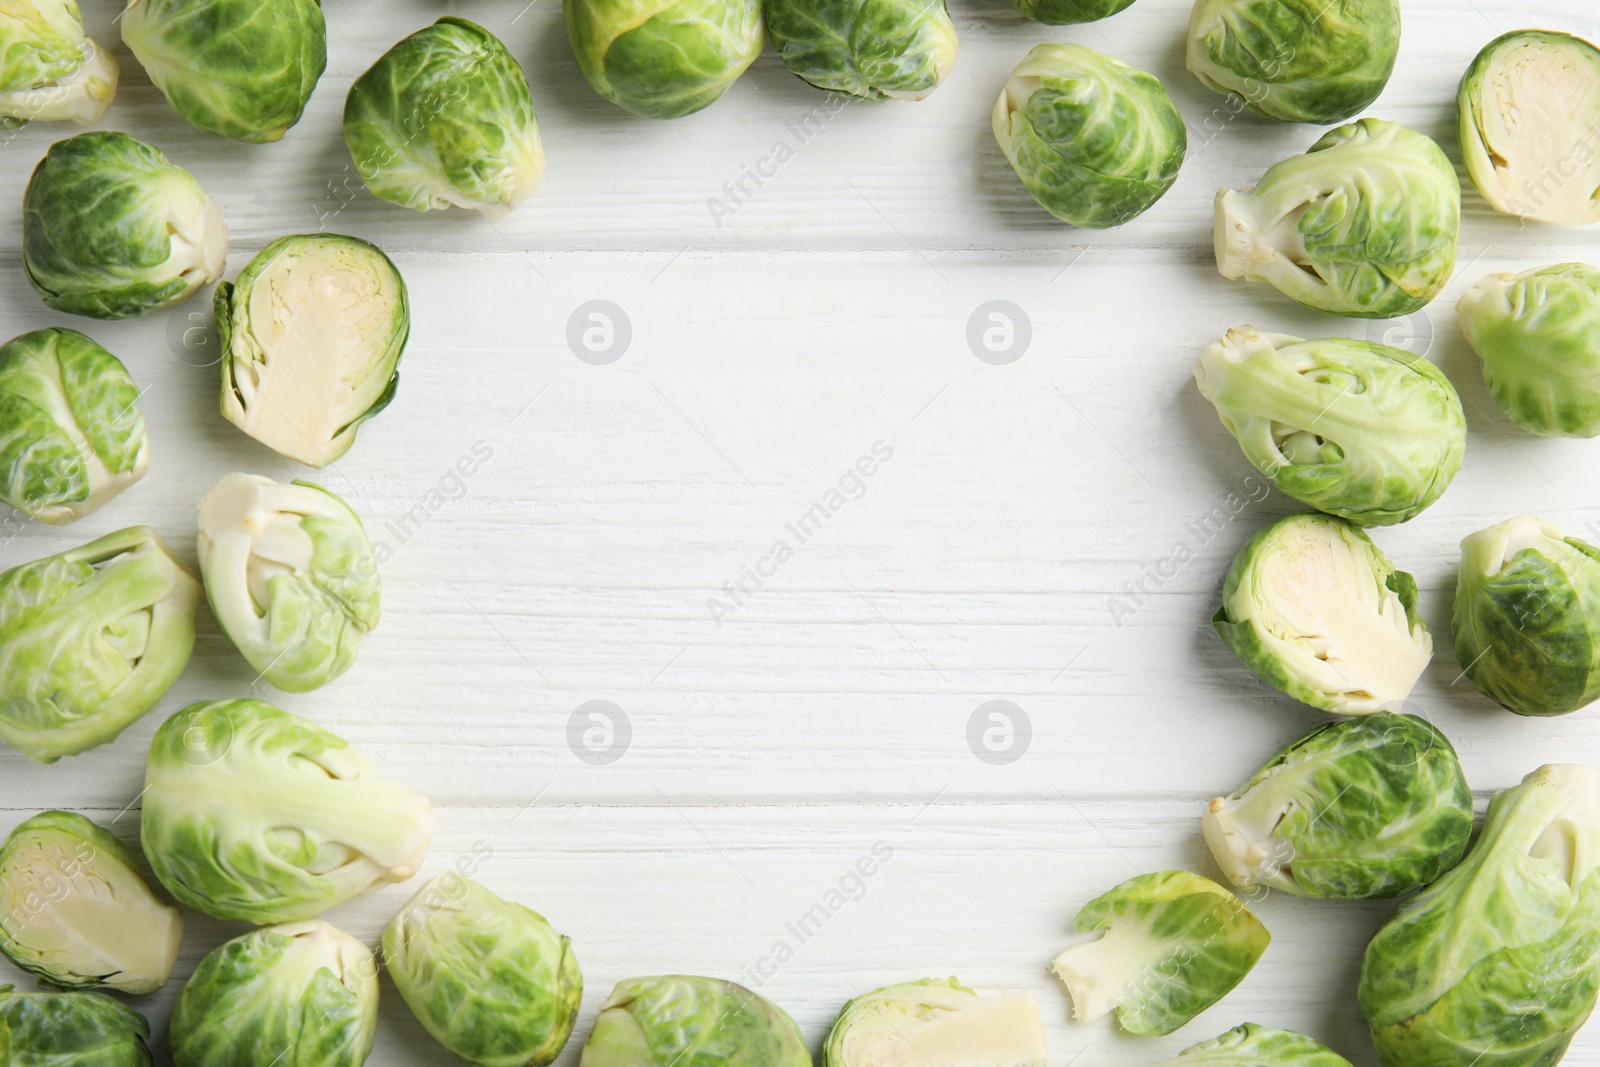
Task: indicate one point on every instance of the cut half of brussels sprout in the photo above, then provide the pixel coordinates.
(663, 59)
(50, 1029)
(699, 1022)
(1252, 1045)
(49, 69)
(871, 49)
(937, 1022)
(1069, 12)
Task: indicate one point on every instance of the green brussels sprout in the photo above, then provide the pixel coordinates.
(1317, 610)
(1363, 224)
(444, 118)
(290, 576)
(865, 48)
(1252, 1045)
(937, 1023)
(72, 432)
(75, 911)
(1529, 109)
(48, 1029)
(1095, 141)
(252, 813)
(1296, 60)
(90, 640)
(1368, 807)
(236, 68)
(663, 59)
(682, 1021)
(1497, 963)
(491, 980)
(50, 70)
(311, 334)
(112, 228)
(1171, 945)
(1069, 12)
(300, 994)
(1364, 431)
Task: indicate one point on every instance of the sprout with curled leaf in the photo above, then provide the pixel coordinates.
(663, 59)
(50, 70)
(937, 1022)
(1069, 12)
(51, 1029)
(866, 48)
(1252, 1045)
(684, 1020)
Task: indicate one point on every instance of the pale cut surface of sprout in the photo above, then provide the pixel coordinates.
(82, 96)
(936, 1023)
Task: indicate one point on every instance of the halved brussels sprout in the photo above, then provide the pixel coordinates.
(75, 911)
(112, 228)
(1096, 142)
(90, 640)
(311, 334)
(1315, 609)
(692, 1022)
(1529, 111)
(1364, 431)
(866, 48)
(1296, 60)
(1497, 963)
(252, 813)
(937, 1022)
(1069, 12)
(1171, 945)
(50, 69)
(663, 59)
(1364, 224)
(48, 1029)
(237, 68)
(300, 994)
(445, 119)
(72, 432)
(1252, 1045)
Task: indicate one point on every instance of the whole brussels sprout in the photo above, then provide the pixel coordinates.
(1364, 224)
(311, 334)
(1172, 944)
(489, 979)
(50, 69)
(236, 68)
(444, 118)
(937, 1021)
(683, 1021)
(1497, 963)
(300, 994)
(90, 640)
(1529, 108)
(112, 228)
(75, 911)
(1364, 431)
(663, 59)
(73, 431)
(1368, 807)
(48, 1029)
(1069, 12)
(1296, 60)
(252, 813)
(290, 576)
(1314, 608)
(1252, 1045)
(1095, 141)
(865, 48)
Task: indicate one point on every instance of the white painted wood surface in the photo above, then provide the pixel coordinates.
(981, 561)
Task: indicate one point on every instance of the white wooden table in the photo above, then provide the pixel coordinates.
(987, 558)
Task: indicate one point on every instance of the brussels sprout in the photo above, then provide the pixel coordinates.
(1172, 945)
(1252, 1045)
(1296, 60)
(72, 432)
(444, 118)
(1368, 807)
(1364, 431)
(681, 1021)
(236, 68)
(865, 48)
(662, 59)
(1497, 963)
(252, 813)
(1095, 141)
(112, 228)
(1530, 126)
(311, 335)
(1363, 224)
(489, 979)
(1313, 607)
(89, 640)
(75, 911)
(1069, 12)
(49, 69)
(937, 1023)
(297, 995)
(48, 1029)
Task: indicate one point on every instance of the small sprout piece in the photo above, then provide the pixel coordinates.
(50, 70)
(937, 1022)
(1363, 224)
(865, 48)
(301, 994)
(676, 1019)
(49, 1029)
(1069, 12)
(1364, 431)
(311, 334)
(1369, 807)
(1313, 607)
(1173, 944)
(1252, 1045)
(252, 813)
(1095, 141)
(663, 59)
